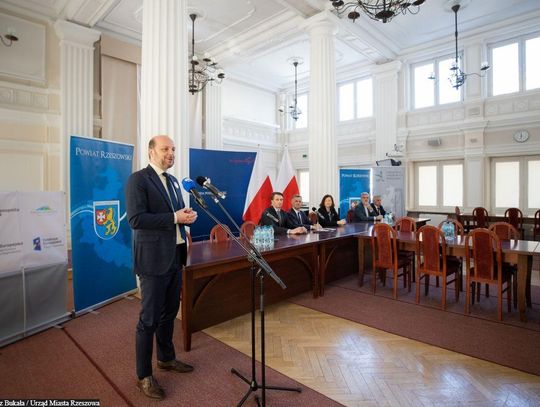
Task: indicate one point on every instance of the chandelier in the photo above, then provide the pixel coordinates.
(457, 77)
(294, 110)
(8, 39)
(379, 10)
(202, 71)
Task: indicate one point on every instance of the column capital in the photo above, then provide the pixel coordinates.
(323, 23)
(76, 34)
(387, 69)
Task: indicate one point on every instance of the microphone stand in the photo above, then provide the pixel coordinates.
(254, 256)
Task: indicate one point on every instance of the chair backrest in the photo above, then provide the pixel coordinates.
(480, 217)
(458, 226)
(384, 246)
(313, 217)
(459, 218)
(405, 224)
(514, 216)
(536, 227)
(247, 229)
(217, 234)
(430, 249)
(189, 241)
(486, 253)
(350, 215)
(504, 230)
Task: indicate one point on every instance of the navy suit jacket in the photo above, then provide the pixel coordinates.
(379, 211)
(295, 222)
(280, 224)
(360, 214)
(151, 216)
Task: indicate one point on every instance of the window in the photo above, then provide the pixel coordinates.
(515, 66)
(515, 183)
(355, 100)
(302, 121)
(438, 91)
(439, 184)
(303, 179)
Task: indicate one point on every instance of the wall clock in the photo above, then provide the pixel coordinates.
(521, 136)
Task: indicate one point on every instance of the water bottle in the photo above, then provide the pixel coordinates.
(257, 236)
(390, 218)
(271, 230)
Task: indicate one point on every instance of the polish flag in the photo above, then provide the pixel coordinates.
(258, 193)
(286, 181)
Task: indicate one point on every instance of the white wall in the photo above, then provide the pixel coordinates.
(241, 101)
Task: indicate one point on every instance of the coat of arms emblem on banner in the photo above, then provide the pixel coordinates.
(106, 218)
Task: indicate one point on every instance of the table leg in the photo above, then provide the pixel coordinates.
(524, 264)
(361, 261)
(315, 271)
(322, 268)
(187, 307)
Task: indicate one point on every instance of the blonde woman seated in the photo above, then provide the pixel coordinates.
(327, 214)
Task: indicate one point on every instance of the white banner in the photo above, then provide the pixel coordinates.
(11, 244)
(43, 228)
(389, 183)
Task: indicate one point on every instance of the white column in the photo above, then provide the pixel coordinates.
(212, 117)
(164, 88)
(385, 109)
(323, 168)
(76, 87)
(473, 62)
(476, 186)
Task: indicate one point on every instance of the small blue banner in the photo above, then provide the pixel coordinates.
(100, 233)
(352, 182)
(230, 172)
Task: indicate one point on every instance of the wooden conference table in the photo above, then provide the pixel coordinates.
(217, 279)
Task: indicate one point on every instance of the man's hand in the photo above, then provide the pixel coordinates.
(186, 216)
(379, 217)
(341, 222)
(298, 231)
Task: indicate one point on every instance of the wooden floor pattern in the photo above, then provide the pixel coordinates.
(361, 366)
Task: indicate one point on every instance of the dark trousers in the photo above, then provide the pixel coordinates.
(160, 301)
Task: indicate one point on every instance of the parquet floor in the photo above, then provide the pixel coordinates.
(360, 366)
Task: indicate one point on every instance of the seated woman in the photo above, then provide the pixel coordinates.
(327, 213)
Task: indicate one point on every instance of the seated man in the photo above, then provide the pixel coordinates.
(278, 219)
(297, 217)
(364, 212)
(377, 206)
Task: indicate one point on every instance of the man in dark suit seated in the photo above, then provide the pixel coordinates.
(278, 219)
(364, 212)
(297, 217)
(157, 215)
(377, 206)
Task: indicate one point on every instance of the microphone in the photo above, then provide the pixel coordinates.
(189, 186)
(206, 183)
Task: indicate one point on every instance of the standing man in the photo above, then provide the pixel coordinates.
(377, 205)
(364, 212)
(278, 219)
(157, 215)
(297, 217)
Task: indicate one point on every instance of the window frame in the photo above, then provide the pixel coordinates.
(522, 58)
(355, 99)
(439, 164)
(436, 94)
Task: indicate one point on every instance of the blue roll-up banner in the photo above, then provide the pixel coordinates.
(230, 172)
(100, 234)
(352, 182)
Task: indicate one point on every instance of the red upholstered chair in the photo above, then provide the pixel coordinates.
(217, 234)
(455, 261)
(313, 217)
(487, 257)
(247, 229)
(432, 261)
(385, 257)
(480, 216)
(350, 215)
(514, 216)
(536, 227)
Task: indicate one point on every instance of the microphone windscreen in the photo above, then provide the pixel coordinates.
(314, 209)
(188, 184)
(201, 180)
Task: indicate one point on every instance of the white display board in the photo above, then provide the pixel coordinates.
(389, 183)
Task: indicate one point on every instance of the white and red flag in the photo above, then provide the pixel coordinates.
(286, 181)
(258, 192)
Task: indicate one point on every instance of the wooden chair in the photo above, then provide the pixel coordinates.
(480, 216)
(514, 216)
(189, 241)
(217, 234)
(350, 216)
(536, 227)
(313, 217)
(432, 261)
(385, 257)
(455, 261)
(247, 228)
(487, 257)
(406, 224)
(459, 218)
